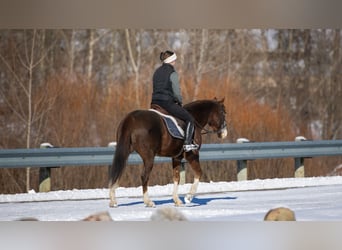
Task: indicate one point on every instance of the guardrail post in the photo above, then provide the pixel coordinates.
(242, 164)
(45, 173)
(299, 162)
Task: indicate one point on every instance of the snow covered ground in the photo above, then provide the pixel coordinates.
(312, 199)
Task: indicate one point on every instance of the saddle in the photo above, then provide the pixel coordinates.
(174, 125)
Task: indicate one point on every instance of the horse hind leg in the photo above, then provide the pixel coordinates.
(176, 177)
(148, 165)
(193, 159)
(112, 188)
(188, 198)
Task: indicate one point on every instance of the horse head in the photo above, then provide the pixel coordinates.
(211, 112)
(217, 118)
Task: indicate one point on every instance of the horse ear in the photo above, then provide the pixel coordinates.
(220, 101)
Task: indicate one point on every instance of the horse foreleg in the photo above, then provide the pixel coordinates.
(112, 188)
(193, 159)
(176, 177)
(147, 201)
(144, 179)
(188, 198)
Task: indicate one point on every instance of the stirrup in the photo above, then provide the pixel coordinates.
(190, 147)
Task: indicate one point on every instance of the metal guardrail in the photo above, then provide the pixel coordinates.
(85, 156)
(263, 150)
(48, 157)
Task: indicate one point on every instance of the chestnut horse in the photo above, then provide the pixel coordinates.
(145, 132)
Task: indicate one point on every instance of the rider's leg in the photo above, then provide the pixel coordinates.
(189, 132)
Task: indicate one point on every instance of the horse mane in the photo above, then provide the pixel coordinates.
(191, 105)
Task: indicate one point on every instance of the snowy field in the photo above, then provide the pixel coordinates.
(312, 199)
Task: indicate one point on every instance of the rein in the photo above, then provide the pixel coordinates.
(207, 131)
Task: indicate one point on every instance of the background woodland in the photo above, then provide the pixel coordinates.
(71, 88)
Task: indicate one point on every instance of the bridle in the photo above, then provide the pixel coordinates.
(204, 131)
(207, 131)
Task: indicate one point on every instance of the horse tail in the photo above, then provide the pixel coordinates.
(121, 154)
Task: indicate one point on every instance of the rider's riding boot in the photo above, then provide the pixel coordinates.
(188, 146)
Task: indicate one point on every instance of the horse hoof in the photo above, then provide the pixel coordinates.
(178, 203)
(150, 204)
(188, 198)
(113, 204)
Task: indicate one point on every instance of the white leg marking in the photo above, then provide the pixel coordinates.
(175, 196)
(147, 201)
(113, 202)
(188, 198)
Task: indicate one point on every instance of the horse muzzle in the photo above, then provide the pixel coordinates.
(223, 132)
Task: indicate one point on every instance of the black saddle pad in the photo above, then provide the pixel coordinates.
(174, 129)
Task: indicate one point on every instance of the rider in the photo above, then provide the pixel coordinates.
(166, 93)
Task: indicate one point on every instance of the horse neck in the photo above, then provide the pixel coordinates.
(201, 112)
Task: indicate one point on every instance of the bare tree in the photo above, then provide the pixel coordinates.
(201, 60)
(93, 38)
(330, 90)
(90, 53)
(135, 62)
(72, 52)
(22, 84)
